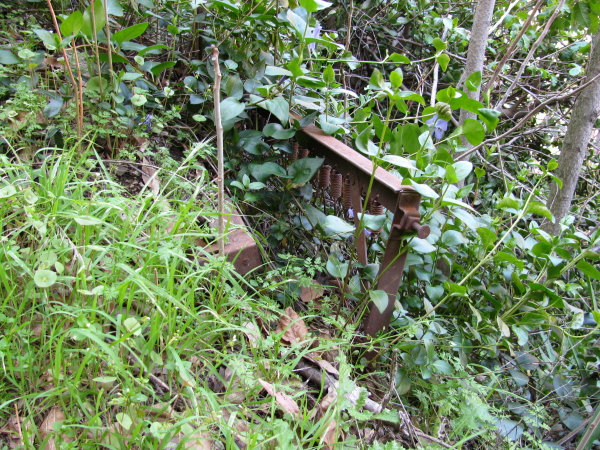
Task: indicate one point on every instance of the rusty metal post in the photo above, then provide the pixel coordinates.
(406, 218)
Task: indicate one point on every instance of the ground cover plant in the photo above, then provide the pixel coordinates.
(120, 329)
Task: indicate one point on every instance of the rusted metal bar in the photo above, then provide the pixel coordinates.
(402, 200)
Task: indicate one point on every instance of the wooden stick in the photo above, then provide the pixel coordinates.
(220, 159)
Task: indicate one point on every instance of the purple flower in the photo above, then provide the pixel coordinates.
(315, 34)
(439, 126)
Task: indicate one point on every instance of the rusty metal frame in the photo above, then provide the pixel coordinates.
(402, 200)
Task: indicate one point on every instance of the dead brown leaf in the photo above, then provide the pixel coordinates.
(293, 327)
(14, 432)
(252, 333)
(150, 177)
(311, 292)
(287, 403)
(198, 440)
(330, 436)
(55, 415)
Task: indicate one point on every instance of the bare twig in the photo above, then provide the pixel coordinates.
(220, 159)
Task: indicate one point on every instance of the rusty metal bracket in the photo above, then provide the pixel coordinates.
(402, 200)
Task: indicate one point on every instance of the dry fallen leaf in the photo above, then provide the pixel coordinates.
(150, 177)
(293, 327)
(14, 432)
(330, 436)
(252, 333)
(198, 441)
(287, 403)
(55, 415)
(311, 292)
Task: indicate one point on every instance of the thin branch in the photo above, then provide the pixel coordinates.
(220, 158)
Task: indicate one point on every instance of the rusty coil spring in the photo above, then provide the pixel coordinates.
(336, 184)
(303, 153)
(294, 155)
(347, 194)
(376, 208)
(324, 177)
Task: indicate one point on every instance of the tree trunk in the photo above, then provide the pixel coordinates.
(476, 53)
(575, 145)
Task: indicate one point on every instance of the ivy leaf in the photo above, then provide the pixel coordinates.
(380, 299)
(276, 131)
(53, 107)
(72, 24)
(443, 60)
(261, 172)
(8, 58)
(303, 170)
(490, 117)
(231, 108)
(474, 81)
(439, 44)
(129, 33)
(333, 225)
(49, 39)
(279, 107)
(473, 131)
(336, 268)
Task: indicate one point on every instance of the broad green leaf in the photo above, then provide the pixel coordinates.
(474, 81)
(314, 5)
(508, 202)
(434, 292)
(44, 278)
(87, 27)
(53, 107)
(7, 191)
(298, 23)
(588, 269)
(424, 190)
(333, 225)
(97, 84)
(473, 131)
(443, 367)
(421, 246)
(336, 268)
(466, 103)
(113, 8)
(130, 33)
(274, 71)
(443, 60)
(510, 429)
(396, 77)
(462, 169)
(124, 420)
(329, 75)
(399, 59)
(539, 209)
(132, 325)
(303, 170)
(157, 69)
(450, 175)
(409, 95)
(276, 131)
(49, 39)
(507, 257)
(279, 107)
(453, 238)
(72, 24)
(439, 44)
(8, 58)
(490, 117)
(380, 299)
(376, 81)
(399, 161)
(581, 14)
(466, 217)
(231, 108)
(372, 222)
(455, 290)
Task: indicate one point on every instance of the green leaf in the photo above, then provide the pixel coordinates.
(452, 238)
(279, 107)
(443, 367)
(130, 33)
(380, 299)
(8, 58)
(329, 75)
(443, 60)
(473, 131)
(298, 23)
(399, 161)
(7, 191)
(44, 278)
(463, 169)
(439, 44)
(372, 222)
(409, 95)
(539, 209)
(72, 24)
(96, 84)
(231, 108)
(424, 190)
(399, 59)
(450, 175)
(49, 39)
(124, 420)
(488, 237)
(333, 225)
(53, 107)
(509, 202)
(396, 77)
(336, 268)
(276, 131)
(490, 117)
(157, 69)
(88, 220)
(474, 81)
(303, 170)
(113, 8)
(588, 269)
(376, 81)
(581, 14)
(87, 27)
(509, 258)
(234, 87)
